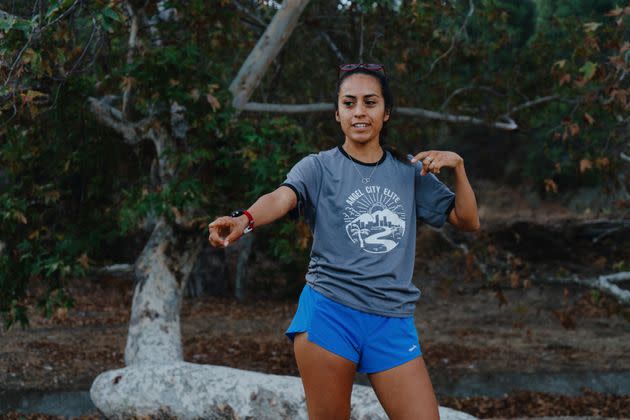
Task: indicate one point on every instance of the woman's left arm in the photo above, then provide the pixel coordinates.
(464, 215)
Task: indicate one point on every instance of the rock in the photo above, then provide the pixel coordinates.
(185, 390)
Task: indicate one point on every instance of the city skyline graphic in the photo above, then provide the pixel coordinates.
(374, 218)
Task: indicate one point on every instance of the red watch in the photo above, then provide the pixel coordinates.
(240, 212)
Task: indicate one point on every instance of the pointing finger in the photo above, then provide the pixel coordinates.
(420, 156)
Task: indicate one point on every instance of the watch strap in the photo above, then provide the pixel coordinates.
(240, 212)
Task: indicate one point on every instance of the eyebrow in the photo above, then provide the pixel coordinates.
(366, 96)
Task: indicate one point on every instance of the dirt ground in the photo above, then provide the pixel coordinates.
(460, 332)
(465, 324)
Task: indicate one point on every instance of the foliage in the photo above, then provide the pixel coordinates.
(70, 189)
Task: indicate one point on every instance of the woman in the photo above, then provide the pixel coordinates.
(361, 201)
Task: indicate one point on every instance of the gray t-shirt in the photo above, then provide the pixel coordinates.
(364, 234)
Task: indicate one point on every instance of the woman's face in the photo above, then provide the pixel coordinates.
(361, 108)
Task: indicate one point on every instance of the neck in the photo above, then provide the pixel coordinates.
(370, 152)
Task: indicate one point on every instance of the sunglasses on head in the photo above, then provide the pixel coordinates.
(344, 68)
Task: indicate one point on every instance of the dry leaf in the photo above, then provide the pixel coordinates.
(214, 102)
(61, 314)
(602, 162)
(401, 67)
(501, 297)
(551, 186)
(83, 260)
(588, 118)
(585, 165)
(20, 217)
(565, 319)
(591, 26)
(559, 64)
(615, 12)
(600, 262)
(195, 94)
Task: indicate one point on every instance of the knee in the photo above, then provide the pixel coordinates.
(329, 411)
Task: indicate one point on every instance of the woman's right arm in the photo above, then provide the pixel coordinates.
(269, 207)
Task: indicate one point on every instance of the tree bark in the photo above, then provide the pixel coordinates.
(265, 51)
(244, 250)
(161, 272)
(188, 391)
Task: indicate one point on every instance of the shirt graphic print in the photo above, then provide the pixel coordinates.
(374, 218)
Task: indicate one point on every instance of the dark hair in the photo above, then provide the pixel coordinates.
(389, 104)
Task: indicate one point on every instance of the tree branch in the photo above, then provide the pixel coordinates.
(114, 270)
(508, 124)
(361, 40)
(605, 283)
(34, 33)
(333, 47)
(266, 49)
(131, 51)
(288, 108)
(244, 10)
(464, 89)
(113, 118)
(457, 35)
(534, 102)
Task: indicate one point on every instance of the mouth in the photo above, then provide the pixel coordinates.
(360, 125)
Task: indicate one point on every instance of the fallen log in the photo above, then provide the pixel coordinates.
(184, 390)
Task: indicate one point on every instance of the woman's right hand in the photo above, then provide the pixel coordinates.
(226, 229)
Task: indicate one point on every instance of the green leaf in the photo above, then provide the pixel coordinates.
(6, 22)
(588, 70)
(108, 12)
(57, 7)
(23, 25)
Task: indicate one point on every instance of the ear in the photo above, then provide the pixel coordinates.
(337, 115)
(386, 117)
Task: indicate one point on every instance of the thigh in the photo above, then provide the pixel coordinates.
(327, 379)
(406, 392)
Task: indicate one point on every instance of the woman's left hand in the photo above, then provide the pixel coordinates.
(434, 160)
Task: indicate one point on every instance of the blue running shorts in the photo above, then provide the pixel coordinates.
(374, 342)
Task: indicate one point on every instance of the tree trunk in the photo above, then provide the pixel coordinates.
(210, 276)
(265, 51)
(242, 264)
(161, 271)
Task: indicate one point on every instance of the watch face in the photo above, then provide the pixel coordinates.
(236, 213)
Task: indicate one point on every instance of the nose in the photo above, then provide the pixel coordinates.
(359, 110)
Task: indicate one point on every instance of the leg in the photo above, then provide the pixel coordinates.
(405, 391)
(327, 379)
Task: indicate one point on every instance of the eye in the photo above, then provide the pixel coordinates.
(347, 103)
(370, 102)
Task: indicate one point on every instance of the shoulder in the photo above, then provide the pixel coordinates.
(329, 154)
(322, 159)
(407, 168)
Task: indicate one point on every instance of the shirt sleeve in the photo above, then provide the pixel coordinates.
(434, 200)
(304, 178)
